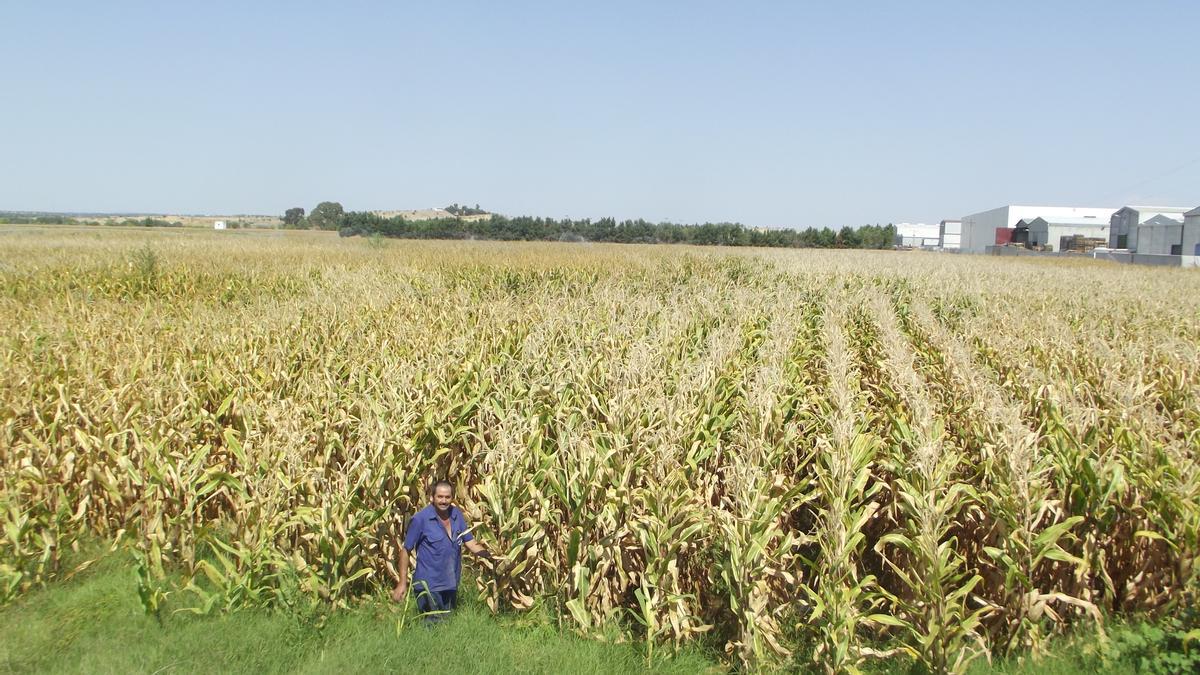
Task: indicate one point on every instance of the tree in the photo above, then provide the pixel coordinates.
(326, 216)
(849, 237)
(293, 217)
(826, 238)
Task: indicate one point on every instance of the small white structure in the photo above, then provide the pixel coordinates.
(218, 225)
(950, 234)
(979, 229)
(917, 235)
(1123, 232)
(1049, 232)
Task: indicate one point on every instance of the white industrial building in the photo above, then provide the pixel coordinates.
(917, 235)
(1050, 232)
(950, 234)
(1126, 222)
(979, 229)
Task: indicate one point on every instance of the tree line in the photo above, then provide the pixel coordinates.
(529, 228)
(331, 216)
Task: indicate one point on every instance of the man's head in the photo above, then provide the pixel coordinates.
(441, 494)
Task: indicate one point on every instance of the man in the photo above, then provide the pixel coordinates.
(437, 533)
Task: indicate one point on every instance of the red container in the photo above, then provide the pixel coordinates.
(1003, 235)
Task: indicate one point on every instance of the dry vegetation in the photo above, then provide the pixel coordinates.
(801, 457)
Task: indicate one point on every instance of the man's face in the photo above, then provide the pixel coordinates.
(442, 496)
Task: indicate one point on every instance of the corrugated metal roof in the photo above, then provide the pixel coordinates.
(1193, 212)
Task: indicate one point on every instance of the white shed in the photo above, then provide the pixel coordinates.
(218, 224)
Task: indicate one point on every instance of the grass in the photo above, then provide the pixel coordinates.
(95, 624)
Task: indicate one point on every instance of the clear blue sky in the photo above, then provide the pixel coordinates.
(783, 114)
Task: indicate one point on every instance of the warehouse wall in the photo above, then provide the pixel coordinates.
(1158, 239)
(979, 229)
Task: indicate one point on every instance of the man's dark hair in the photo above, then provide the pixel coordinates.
(439, 483)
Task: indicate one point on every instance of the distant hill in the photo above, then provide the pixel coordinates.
(243, 220)
(430, 214)
(188, 220)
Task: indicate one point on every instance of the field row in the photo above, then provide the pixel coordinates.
(807, 457)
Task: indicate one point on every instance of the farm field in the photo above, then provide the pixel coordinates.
(797, 459)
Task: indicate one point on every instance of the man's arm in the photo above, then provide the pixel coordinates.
(411, 535)
(402, 571)
(472, 545)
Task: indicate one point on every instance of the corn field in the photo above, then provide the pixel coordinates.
(806, 459)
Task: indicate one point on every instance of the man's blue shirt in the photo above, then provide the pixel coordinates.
(439, 556)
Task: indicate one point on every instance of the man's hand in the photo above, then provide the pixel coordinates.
(478, 549)
(400, 592)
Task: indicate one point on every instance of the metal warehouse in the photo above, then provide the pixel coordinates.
(1160, 235)
(979, 229)
(1191, 232)
(1123, 232)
